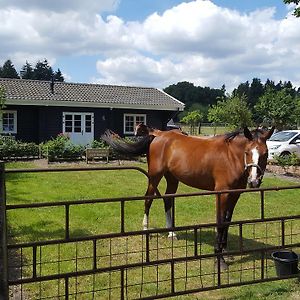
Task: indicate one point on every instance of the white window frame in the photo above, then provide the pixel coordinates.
(14, 112)
(134, 121)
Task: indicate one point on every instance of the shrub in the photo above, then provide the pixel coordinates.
(61, 147)
(99, 144)
(286, 161)
(11, 148)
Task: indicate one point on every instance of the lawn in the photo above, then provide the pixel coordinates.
(39, 224)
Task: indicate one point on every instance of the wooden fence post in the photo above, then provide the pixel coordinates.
(3, 236)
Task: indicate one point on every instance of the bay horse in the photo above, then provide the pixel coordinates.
(143, 129)
(224, 162)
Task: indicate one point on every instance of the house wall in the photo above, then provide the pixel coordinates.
(41, 123)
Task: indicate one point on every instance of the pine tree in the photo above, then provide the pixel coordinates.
(42, 71)
(58, 76)
(27, 71)
(8, 70)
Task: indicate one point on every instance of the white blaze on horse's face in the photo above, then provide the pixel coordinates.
(254, 169)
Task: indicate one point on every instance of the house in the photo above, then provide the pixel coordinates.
(36, 111)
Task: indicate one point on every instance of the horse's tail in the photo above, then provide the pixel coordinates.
(122, 146)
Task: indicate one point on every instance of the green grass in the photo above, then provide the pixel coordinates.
(39, 224)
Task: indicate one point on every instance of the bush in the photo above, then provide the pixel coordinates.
(99, 144)
(61, 147)
(287, 160)
(11, 148)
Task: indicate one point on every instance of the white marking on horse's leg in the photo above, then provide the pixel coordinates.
(145, 222)
(255, 158)
(169, 224)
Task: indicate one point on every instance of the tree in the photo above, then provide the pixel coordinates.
(277, 108)
(42, 71)
(2, 97)
(27, 71)
(233, 111)
(58, 76)
(8, 70)
(297, 9)
(194, 119)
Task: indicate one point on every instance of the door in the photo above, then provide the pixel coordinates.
(79, 127)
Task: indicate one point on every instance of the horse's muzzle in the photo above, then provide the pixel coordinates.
(254, 183)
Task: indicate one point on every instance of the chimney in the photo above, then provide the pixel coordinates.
(52, 84)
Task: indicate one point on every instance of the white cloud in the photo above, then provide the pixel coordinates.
(196, 41)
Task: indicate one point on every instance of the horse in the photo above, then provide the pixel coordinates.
(224, 162)
(143, 129)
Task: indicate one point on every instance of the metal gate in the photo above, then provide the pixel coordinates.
(140, 264)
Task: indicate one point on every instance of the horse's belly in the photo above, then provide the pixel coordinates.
(199, 181)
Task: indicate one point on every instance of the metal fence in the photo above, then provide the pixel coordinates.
(140, 264)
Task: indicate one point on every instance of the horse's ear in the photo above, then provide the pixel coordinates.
(248, 134)
(269, 133)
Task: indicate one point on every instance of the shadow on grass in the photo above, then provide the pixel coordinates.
(40, 231)
(208, 237)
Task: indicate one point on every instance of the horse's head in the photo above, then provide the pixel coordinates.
(256, 155)
(141, 129)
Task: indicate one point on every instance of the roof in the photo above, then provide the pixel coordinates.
(36, 92)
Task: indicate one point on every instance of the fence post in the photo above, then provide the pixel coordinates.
(3, 229)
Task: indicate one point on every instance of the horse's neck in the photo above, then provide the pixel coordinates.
(236, 148)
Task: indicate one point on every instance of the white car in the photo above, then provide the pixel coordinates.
(284, 143)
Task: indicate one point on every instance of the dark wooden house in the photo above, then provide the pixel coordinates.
(36, 111)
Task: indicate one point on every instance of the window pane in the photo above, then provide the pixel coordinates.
(68, 117)
(77, 117)
(68, 129)
(140, 119)
(8, 122)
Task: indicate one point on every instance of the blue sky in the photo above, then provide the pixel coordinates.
(155, 42)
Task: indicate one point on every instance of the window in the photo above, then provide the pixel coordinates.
(8, 121)
(131, 120)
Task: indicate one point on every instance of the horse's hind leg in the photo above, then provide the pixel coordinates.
(172, 185)
(151, 190)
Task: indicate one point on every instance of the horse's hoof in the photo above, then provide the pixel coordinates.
(172, 235)
(229, 257)
(223, 265)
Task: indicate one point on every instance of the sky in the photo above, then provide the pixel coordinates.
(154, 42)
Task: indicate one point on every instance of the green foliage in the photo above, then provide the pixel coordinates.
(62, 147)
(297, 9)
(234, 111)
(99, 144)
(42, 71)
(27, 71)
(193, 118)
(190, 94)
(2, 97)
(287, 160)
(11, 148)
(8, 70)
(277, 107)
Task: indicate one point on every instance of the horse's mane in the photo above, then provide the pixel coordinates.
(256, 133)
(231, 135)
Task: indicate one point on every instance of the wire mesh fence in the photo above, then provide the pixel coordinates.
(127, 264)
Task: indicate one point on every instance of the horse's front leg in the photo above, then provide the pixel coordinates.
(221, 210)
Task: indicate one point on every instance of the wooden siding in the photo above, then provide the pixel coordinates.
(41, 123)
